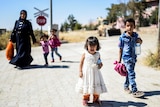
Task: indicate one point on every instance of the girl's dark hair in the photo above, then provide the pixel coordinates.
(44, 35)
(130, 20)
(92, 41)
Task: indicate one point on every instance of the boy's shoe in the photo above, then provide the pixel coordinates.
(127, 90)
(138, 94)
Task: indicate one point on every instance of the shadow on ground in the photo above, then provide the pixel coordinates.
(150, 93)
(71, 61)
(35, 66)
(122, 104)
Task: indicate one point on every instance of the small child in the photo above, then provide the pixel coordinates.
(91, 80)
(45, 46)
(127, 42)
(54, 42)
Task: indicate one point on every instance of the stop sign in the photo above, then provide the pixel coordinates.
(41, 20)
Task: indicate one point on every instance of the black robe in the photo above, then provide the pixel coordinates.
(21, 36)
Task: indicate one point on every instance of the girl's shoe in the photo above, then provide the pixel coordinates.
(98, 102)
(85, 102)
(52, 60)
(60, 58)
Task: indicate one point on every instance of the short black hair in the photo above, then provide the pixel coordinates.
(92, 41)
(130, 20)
(44, 35)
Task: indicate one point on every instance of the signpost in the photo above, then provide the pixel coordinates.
(41, 20)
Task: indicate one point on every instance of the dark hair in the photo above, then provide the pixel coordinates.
(131, 20)
(92, 41)
(53, 30)
(44, 35)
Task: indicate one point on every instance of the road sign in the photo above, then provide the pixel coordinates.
(40, 12)
(41, 20)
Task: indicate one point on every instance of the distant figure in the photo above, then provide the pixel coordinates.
(127, 43)
(45, 46)
(54, 42)
(21, 36)
(91, 80)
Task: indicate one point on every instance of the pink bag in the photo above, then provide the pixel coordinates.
(120, 68)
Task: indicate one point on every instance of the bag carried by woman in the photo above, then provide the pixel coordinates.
(9, 50)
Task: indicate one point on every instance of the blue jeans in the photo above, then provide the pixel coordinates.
(56, 52)
(130, 78)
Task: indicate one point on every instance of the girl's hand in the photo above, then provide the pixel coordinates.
(80, 74)
(100, 66)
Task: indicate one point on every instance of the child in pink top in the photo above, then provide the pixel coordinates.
(54, 42)
(45, 46)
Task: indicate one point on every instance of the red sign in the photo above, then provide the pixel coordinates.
(41, 20)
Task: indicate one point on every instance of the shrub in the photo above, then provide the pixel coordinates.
(152, 60)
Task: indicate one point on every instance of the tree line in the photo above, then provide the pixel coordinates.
(124, 10)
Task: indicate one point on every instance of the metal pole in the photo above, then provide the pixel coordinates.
(50, 14)
(159, 29)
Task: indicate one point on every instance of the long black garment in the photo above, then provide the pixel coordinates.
(21, 36)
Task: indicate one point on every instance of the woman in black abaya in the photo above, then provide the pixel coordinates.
(21, 36)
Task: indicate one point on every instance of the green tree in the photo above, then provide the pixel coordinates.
(154, 17)
(72, 21)
(116, 10)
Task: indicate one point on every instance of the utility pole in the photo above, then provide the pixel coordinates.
(50, 14)
(159, 30)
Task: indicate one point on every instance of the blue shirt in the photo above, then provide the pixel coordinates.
(127, 44)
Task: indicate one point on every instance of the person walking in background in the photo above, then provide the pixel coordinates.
(21, 36)
(54, 42)
(45, 47)
(127, 43)
(91, 80)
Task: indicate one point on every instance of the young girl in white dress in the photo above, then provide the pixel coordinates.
(91, 80)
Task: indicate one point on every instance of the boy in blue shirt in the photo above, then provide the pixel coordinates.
(127, 42)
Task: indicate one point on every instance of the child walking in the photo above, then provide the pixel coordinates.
(91, 80)
(127, 43)
(45, 46)
(54, 42)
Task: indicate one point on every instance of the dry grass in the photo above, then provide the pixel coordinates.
(77, 36)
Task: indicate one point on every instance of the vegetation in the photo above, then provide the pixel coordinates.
(116, 10)
(152, 60)
(4, 39)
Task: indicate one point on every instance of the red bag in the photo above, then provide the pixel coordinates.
(9, 50)
(120, 68)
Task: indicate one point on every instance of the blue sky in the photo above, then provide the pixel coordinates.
(84, 11)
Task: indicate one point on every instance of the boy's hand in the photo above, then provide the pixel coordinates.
(139, 40)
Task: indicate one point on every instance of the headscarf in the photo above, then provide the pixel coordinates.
(25, 12)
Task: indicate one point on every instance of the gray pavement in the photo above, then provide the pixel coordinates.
(54, 86)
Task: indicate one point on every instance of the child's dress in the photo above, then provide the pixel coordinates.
(92, 80)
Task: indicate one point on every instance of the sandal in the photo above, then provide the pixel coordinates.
(85, 102)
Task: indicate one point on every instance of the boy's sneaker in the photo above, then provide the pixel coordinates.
(127, 90)
(138, 94)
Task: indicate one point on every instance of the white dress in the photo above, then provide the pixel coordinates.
(92, 80)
